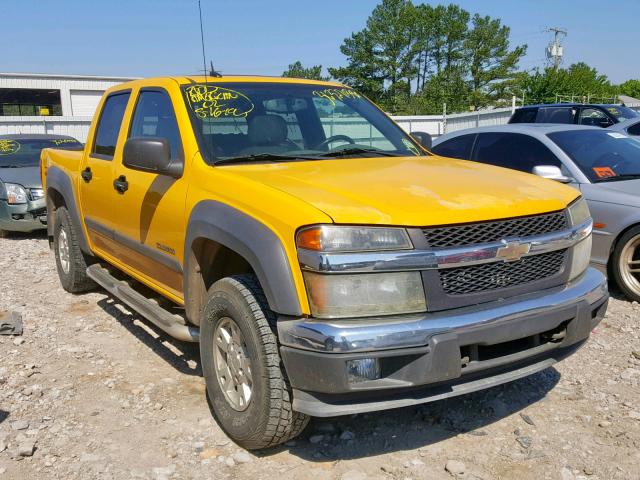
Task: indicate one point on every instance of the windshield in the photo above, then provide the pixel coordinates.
(19, 152)
(621, 113)
(285, 121)
(601, 155)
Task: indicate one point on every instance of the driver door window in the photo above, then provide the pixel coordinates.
(594, 117)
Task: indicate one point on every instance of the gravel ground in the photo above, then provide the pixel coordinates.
(92, 391)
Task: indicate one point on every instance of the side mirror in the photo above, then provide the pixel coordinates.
(423, 138)
(552, 173)
(151, 154)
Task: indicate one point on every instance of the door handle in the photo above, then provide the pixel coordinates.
(86, 175)
(121, 184)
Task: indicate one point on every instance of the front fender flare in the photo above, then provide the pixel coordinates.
(255, 242)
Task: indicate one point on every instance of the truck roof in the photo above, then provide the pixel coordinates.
(185, 80)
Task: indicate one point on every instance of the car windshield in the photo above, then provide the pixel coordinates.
(239, 122)
(602, 156)
(622, 113)
(17, 152)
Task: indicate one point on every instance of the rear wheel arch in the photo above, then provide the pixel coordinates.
(61, 192)
(55, 200)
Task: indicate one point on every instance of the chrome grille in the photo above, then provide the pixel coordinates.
(473, 233)
(498, 275)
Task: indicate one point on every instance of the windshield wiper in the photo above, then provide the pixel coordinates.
(624, 176)
(258, 157)
(13, 166)
(358, 150)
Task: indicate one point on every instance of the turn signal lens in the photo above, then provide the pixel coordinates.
(311, 239)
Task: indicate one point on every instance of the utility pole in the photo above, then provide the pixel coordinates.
(555, 49)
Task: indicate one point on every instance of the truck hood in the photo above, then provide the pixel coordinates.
(28, 177)
(411, 191)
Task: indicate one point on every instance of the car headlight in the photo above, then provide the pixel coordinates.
(334, 238)
(579, 212)
(362, 295)
(15, 194)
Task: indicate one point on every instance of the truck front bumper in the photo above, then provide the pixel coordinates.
(26, 217)
(346, 366)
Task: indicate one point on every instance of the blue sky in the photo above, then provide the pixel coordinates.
(157, 37)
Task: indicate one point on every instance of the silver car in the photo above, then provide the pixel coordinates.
(630, 127)
(603, 164)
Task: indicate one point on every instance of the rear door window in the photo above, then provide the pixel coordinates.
(513, 150)
(458, 147)
(556, 115)
(109, 124)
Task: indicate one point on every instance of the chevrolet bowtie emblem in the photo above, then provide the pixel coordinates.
(512, 251)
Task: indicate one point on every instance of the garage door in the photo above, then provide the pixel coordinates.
(85, 102)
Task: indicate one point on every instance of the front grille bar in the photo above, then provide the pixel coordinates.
(442, 258)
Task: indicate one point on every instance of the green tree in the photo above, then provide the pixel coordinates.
(580, 82)
(380, 57)
(297, 70)
(412, 58)
(490, 61)
(360, 72)
(630, 88)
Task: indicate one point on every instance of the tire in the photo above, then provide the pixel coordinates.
(627, 249)
(71, 263)
(267, 418)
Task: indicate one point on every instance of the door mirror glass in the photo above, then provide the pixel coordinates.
(151, 154)
(423, 138)
(552, 173)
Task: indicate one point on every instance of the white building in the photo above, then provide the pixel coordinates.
(43, 103)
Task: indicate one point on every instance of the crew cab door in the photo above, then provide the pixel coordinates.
(151, 206)
(96, 191)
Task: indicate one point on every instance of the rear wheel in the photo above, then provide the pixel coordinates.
(71, 263)
(626, 263)
(246, 383)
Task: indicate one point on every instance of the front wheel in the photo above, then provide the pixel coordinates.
(246, 383)
(626, 263)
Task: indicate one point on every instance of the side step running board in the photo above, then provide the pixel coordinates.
(174, 325)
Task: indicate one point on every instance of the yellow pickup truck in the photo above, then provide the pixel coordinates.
(325, 261)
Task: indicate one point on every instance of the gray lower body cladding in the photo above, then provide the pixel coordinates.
(421, 360)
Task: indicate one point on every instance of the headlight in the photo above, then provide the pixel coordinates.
(581, 257)
(579, 212)
(15, 194)
(333, 238)
(36, 193)
(361, 295)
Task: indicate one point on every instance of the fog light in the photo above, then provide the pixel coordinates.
(363, 369)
